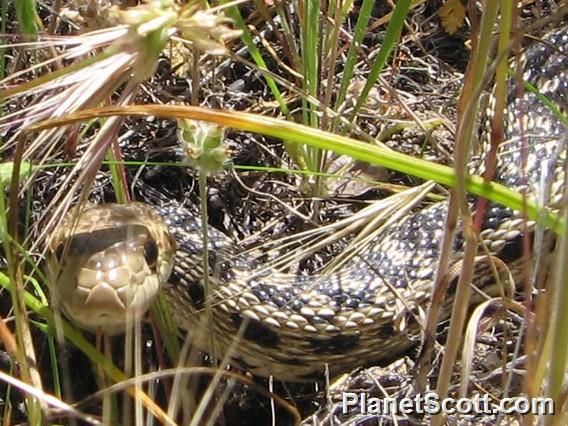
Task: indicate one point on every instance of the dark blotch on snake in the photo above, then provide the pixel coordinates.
(212, 260)
(513, 250)
(453, 285)
(339, 344)
(195, 291)
(256, 331)
(197, 294)
(386, 332)
(268, 294)
(225, 271)
(495, 215)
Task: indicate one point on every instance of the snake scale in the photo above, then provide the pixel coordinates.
(293, 326)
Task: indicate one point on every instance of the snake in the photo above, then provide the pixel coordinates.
(108, 261)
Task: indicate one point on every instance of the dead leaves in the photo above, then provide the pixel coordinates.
(452, 14)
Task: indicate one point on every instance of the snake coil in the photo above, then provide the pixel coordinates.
(292, 326)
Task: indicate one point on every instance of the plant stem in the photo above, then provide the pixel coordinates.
(205, 262)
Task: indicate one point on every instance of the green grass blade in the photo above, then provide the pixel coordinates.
(27, 16)
(246, 36)
(298, 133)
(3, 20)
(310, 37)
(352, 53)
(391, 38)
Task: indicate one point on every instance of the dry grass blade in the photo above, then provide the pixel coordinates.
(127, 384)
(464, 136)
(402, 203)
(372, 219)
(474, 327)
(65, 410)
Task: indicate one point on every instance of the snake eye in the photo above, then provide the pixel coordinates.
(151, 253)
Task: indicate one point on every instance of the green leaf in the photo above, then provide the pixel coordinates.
(27, 16)
(6, 170)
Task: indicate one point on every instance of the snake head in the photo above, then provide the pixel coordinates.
(106, 264)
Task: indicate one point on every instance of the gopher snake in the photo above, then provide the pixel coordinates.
(292, 326)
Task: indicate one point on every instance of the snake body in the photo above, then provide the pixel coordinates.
(294, 326)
